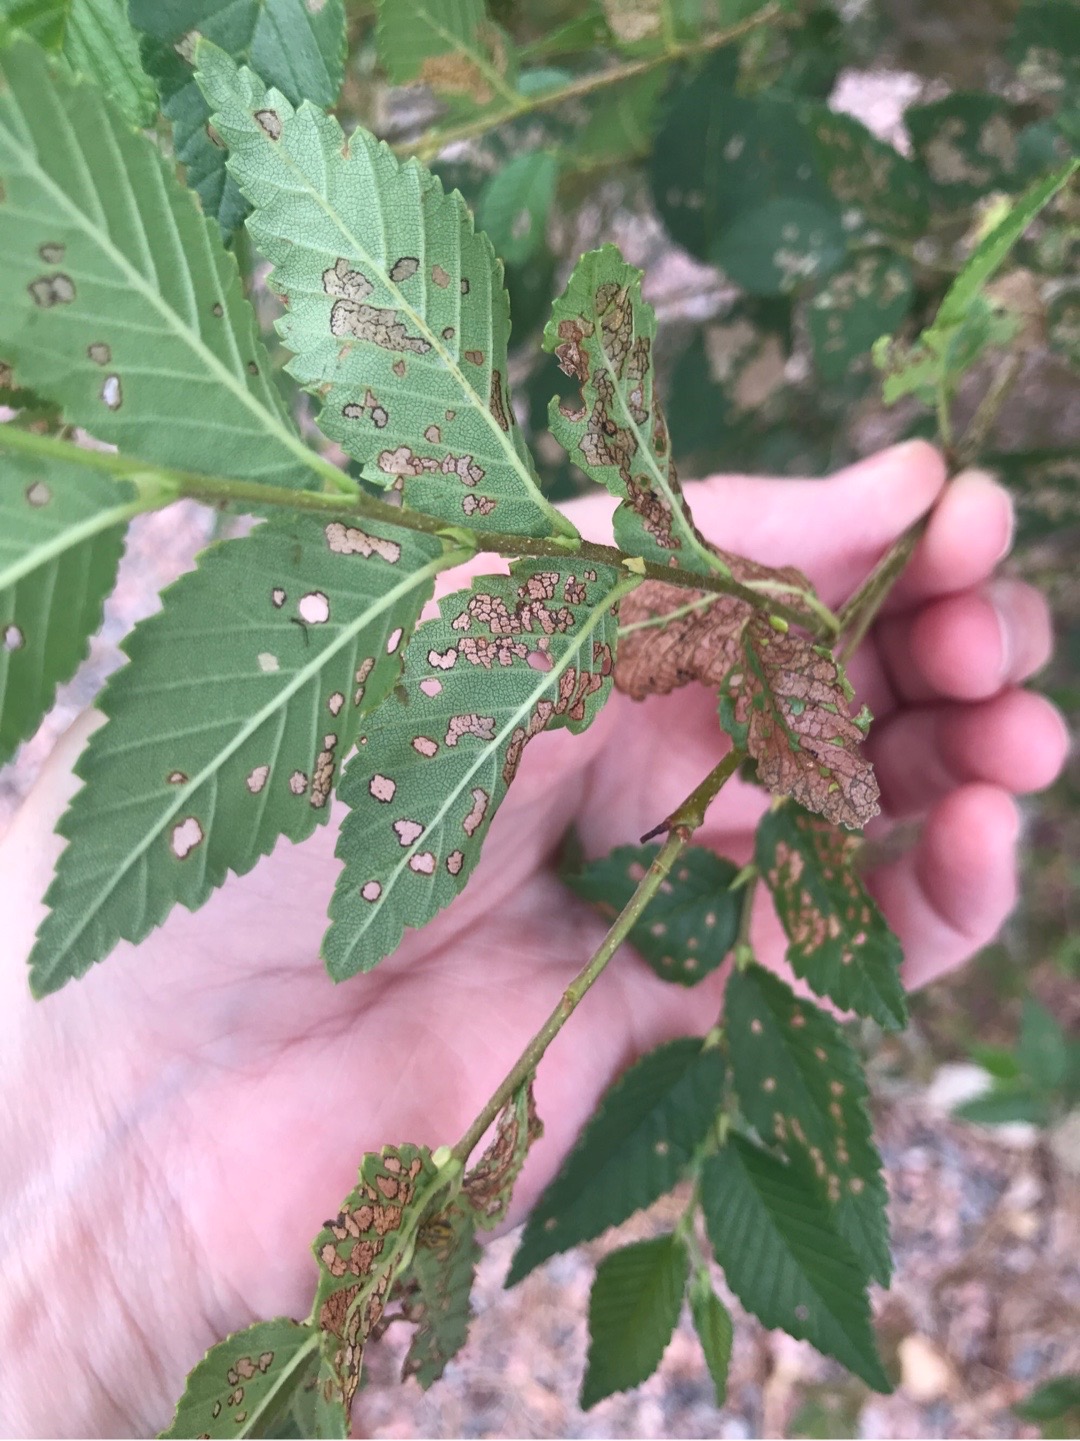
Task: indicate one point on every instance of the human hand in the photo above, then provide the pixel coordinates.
(177, 1124)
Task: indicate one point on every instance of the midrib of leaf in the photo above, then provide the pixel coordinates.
(73, 536)
(361, 254)
(478, 59)
(210, 770)
(174, 322)
(673, 498)
(492, 747)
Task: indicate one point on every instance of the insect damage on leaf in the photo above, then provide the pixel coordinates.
(360, 1252)
(838, 941)
(601, 332)
(786, 702)
(435, 1291)
(489, 1186)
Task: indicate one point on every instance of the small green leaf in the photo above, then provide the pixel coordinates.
(396, 313)
(602, 332)
(295, 45)
(801, 1086)
(786, 702)
(686, 930)
(968, 144)
(633, 1309)
(773, 1232)
(991, 251)
(780, 245)
(212, 752)
(489, 1186)
(869, 297)
(635, 1147)
(838, 940)
(61, 538)
(1005, 1105)
(437, 759)
(514, 204)
(118, 302)
(436, 1288)
(96, 39)
(246, 1383)
(1042, 1049)
(1051, 1400)
(621, 123)
(712, 1322)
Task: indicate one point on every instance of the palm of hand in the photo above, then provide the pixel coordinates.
(230, 1072)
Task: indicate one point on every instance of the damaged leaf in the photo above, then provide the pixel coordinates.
(200, 779)
(447, 44)
(437, 759)
(801, 1087)
(786, 702)
(688, 927)
(602, 333)
(246, 1383)
(489, 1186)
(361, 1253)
(435, 1291)
(868, 298)
(514, 204)
(866, 174)
(838, 941)
(396, 314)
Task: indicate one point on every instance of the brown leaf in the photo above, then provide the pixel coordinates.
(786, 701)
(489, 1185)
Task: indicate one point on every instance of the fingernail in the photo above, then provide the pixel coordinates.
(1010, 526)
(1000, 593)
(983, 478)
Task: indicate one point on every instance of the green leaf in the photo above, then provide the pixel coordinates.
(786, 702)
(635, 1147)
(489, 1186)
(1045, 48)
(361, 1253)
(801, 1087)
(1042, 1049)
(777, 247)
(621, 123)
(1004, 1106)
(447, 44)
(838, 940)
(221, 739)
(396, 313)
(292, 44)
(864, 173)
(436, 1288)
(602, 333)
(1046, 487)
(688, 928)
(712, 1322)
(774, 1233)
(869, 297)
(968, 144)
(96, 39)
(246, 1383)
(437, 759)
(118, 302)
(514, 205)
(727, 167)
(633, 1309)
(61, 538)
(1052, 1399)
(991, 251)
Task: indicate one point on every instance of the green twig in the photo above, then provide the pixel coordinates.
(173, 485)
(684, 821)
(434, 141)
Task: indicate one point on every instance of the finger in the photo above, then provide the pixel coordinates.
(832, 529)
(967, 647)
(951, 894)
(1017, 741)
(969, 532)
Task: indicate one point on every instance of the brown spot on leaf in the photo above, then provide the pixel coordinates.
(454, 862)
(433, 435)
(482, 727)
(477, 504)
(99, 352)
(448, 332)
(257, 779)
(454, 73)
(52, 252)
(425, 746)
(314, 608)
(38, 494)
(423, 863)
(13, 638)
(408, 831)
(351, 540)
(177, 778)
(217, 310)
(570, 353)
(440, 276)
(352, 316)
(382, 788)
(322, 776)
(277, 597)
(269, 122)
(112, 392)
(476, 356)
(49, 290)
(186, 835)
(498, 404)
(475, 817)
(298, 782)
(371, 891)
(399, 369)
(404, 268)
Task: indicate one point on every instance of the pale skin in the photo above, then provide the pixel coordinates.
(175, 1127)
